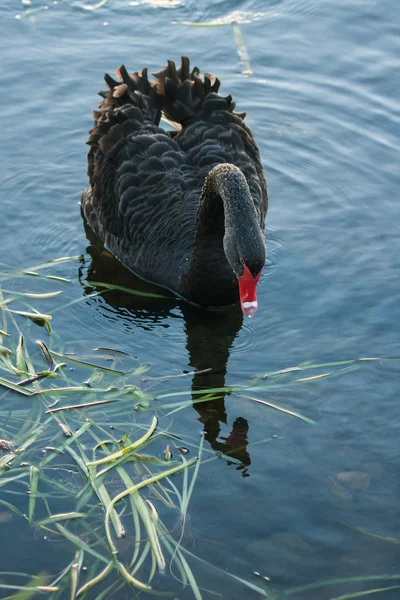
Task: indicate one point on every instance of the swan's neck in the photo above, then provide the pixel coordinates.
(227, 228)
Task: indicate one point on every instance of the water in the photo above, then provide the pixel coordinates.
(323, 103)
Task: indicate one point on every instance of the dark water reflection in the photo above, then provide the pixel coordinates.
(323, 103)
(209, 338)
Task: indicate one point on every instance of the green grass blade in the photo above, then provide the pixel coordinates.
(79, 406)
(37, 584)
(367, 593)
(75, 570)
(121, 288)
(61, 517)
(33, 295)
(329, 582)
(80, 543)
(83, 363)
(95, 580)
(241, 49)
(383, 538)
(112, 457)
(34, 480)
(40, 319)
(15, 387)
(280, 409)
(134, 489)
(55, 262)
(19, 355)
(132, 580)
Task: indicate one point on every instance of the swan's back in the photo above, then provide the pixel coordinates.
(145, 182)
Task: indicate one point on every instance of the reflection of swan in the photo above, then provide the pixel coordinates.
(185, 210)
(209, 336)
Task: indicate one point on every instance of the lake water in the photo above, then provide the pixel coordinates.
(298, 502)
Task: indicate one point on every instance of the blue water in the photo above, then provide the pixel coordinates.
(323, 100)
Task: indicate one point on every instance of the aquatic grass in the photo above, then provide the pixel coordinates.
(242, 49)
(279, 408)
(8, 273)
(83, 363)
(33, 295)
(383, 538)
(295, 591)
(120, 288)
(367, 592)
(106, 502)
(128, 449)
(93, 6)
(112, 486)
(81, 405)
(232, 20)
(140, 509)
(263, 593)
(35, 585)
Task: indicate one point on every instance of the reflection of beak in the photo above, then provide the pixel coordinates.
(248, 291)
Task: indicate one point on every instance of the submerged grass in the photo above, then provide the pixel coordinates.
(57, 453)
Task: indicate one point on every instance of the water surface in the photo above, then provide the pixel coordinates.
(322, 99)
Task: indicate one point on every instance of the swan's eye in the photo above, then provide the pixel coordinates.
(242, 261)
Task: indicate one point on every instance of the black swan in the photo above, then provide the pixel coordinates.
(184, 209)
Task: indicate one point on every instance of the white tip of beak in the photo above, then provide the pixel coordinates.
(249, 308)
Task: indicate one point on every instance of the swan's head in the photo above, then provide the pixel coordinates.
(243, 240)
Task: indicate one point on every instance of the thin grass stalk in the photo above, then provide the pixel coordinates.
(142, 558)
(95, 580)
(33, 295)
(19, 356)
(136, 529)
(132, 580)
(246, 583)
(152, 569)
(80, 543)
(84, 363)
(169, 543)
(66, 443)
(79, 300)
(150, 530)
(60, 517)
(186, 500)
(112, 590)
(63, 573)
(13, 508)
(189, 574)
(79, 406)
(329, 582)
(75, 570)
(280, 409)
(102, 494)
(34, 480)
(126, 290)
(32, 421)
(139, 508)
(136, 488)
(241, 49)
(158, 490)
(52, 263)
(383, 538)
(128, 449)
(6, 480)
(136, 521)
(367, 593)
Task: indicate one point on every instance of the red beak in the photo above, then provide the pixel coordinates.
(247, 291)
